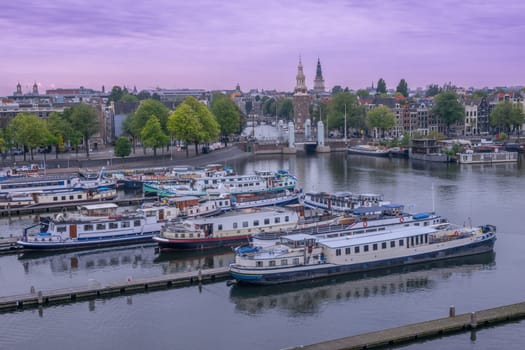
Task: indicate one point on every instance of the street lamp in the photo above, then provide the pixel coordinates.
(345, 125)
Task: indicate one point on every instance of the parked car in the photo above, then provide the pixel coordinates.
(17, 151)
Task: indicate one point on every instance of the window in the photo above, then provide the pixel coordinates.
(88, 227)
(272, 262)
(286, 218)
(219, 227)
(61, 229)
(63, 198)
(338, 252)
(277, 220)
(356, 250)
(348, 250)
(417, 240)
(392, 244)
(267, 221)
(113, 225)
(79, 196)
(125, 224)
(374, 246)
(55, 199)
(412, 241)
(101, 226)
(401, 243)
(136, 223)
(365, 248)
(234, 225)
(255, 222)
(284, 262)
(71, 197)
(426, 238)
(383, 245)
(296, 261)
(245, 224)
(259, 264)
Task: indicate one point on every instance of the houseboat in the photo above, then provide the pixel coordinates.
(305, 257)
(342, 202)
(236, 227)
(264, 199)
(96, 225)
(428, 150)
(496, 156)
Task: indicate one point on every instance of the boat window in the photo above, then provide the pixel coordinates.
(401, 243)
(392, 244)
(267, 221)
(88, 227)
(426, 238)
(63, 198)
(136, 222)
(374, 246)
(338, 252)
(79, 196)
(383, 245)
(255, 222)
(284, 262)
(125, 224)
(365, 248)
(272, 262)
(245, 224)
(101, 226)
(286, 218)
(234, 225)
(55, 198)
(277, 220)
(356, 249)
(219, 227)
(259, 264)
(348, 251)
(61, 229)
(71, 197)
(412, 241)
(296, 261)
(113, 225)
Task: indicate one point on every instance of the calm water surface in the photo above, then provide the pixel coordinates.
(216, 316)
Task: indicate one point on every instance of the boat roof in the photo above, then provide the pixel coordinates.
(367, 238)
(38, 179)
(298, 237)
(99, 206)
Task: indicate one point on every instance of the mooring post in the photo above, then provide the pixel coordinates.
(40, 298)
(452, 311)
(473, 320)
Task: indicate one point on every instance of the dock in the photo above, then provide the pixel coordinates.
(423, 330)
(135, 201)
(99, 290)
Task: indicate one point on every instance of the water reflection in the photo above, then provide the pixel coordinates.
(307, 297)
(173, 262)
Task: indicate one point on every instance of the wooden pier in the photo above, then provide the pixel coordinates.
(424, 330)
(99, 290)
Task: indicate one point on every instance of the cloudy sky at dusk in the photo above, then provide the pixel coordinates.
(215, 45)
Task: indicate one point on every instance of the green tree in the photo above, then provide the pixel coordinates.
(337, 89)
(285, 109)
(146, 109)
(355, 117)
(381, 87)
(116, 93)
(362, 93)
(210, 128)
(402, 87)
(152, 135)
(448, 108)
(227, 115)
(60, 128)
(143, 95)
(84, 120)
(506, 116)
(30, 131)
(184, 125)
(129, 98)
(382, 118)
(122, 147)
(432, 90)
(479, 94)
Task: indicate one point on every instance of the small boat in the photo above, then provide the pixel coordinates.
(96, 225)
(305, 257)
(342, 202)
(368, 150)
(264, 199)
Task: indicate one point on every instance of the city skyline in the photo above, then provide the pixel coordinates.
(173, 44)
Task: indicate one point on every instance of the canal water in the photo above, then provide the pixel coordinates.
(217, 316)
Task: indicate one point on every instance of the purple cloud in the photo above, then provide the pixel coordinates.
(215, 45)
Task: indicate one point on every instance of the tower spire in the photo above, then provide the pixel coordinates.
(319, 81)
(300, 86)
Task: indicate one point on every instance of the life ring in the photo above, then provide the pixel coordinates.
(401, 219)
(365, 224)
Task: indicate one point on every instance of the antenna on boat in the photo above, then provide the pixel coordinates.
(433, 200)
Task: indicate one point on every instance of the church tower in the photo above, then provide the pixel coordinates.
(35, 89)
(18, 90)
(301, 100)
(319, 81)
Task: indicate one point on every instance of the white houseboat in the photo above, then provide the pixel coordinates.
(96, 225)
(305, 257)
(498, 156)
(342, 202)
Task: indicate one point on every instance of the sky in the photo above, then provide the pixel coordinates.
(216, 44)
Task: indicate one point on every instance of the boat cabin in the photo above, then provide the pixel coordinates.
(103, 209)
